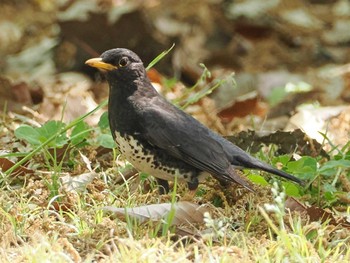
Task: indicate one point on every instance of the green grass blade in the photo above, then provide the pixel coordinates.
(159, 57)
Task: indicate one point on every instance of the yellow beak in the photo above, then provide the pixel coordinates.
(98, 63)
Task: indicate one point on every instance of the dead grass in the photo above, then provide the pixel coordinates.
(33, 229)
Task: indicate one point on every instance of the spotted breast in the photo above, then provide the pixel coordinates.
(154, 161)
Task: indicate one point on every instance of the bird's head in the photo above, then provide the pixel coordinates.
(120, 64)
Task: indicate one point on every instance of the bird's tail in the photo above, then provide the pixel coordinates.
(270, 169)
(253, 163)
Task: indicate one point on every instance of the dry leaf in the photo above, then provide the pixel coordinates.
(185, 212)
(315, 120)
(316, 213)
(6, 164)
(251, 106)
(77, 183)
(86, 161)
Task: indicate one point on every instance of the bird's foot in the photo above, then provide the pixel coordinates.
(163, 186)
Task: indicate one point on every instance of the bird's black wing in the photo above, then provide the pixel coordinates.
(184, 137)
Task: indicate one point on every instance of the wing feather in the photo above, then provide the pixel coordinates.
(183, 137)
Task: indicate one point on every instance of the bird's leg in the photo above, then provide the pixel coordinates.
(192, 186)
(224, 183)
(163, 186)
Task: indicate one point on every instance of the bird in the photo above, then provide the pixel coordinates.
(160, 139)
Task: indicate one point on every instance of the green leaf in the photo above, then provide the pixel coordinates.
(312, 235)
(330, 197)
(276, 96)
(305, 167)
(291, 189)
(330, 168)
(347, 154)
(283, 159)
(258, 179)
(51, 128)
(103, 122)
(79, 133)
(329, 188)
(106, 140)
(29, 134)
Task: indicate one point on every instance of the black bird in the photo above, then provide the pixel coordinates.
(158, 138)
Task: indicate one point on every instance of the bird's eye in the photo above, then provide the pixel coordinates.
(123, 62)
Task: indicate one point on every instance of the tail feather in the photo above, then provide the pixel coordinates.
(240, 159)
(281, 173)
(259, 165)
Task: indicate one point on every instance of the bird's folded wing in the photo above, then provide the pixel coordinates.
(185, 138)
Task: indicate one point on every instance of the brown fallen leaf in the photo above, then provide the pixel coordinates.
(14, 96)
(316, 213)
(61, 206)
(243, 108)
(6, 164)
(185, 212)
(22, 93)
